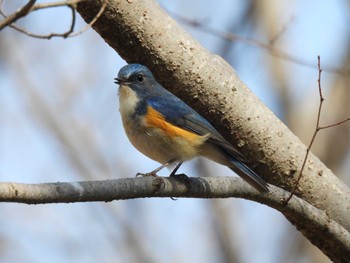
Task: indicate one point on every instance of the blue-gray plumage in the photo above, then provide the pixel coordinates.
(166, 129)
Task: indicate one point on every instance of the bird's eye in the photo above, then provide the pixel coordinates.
(140, 78)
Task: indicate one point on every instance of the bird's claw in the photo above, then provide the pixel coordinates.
(183, 178)
(158, 182)
(146, 174)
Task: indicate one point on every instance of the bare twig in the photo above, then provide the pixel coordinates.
(277, 36)
(9, 20)
(103, 7)
(49, 36)
(269, 47)
(334, 124)
(72, 3)
(17, 15)
(317, 129)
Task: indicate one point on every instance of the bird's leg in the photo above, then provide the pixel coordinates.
(158, 181)
(175, 169)
(181, 177)
(155, 171)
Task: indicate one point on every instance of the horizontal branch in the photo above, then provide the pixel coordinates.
(335, 237)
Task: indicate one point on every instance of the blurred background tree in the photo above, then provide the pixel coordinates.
(59, 121)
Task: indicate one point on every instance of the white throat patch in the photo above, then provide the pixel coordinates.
(127, 101)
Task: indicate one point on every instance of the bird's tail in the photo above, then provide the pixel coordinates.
(222, 152)
(248, 175)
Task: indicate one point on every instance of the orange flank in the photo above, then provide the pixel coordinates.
(155, 119)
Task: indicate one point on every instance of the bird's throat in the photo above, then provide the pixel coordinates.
(127, 101)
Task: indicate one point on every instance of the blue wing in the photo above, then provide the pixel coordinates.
(178, 113)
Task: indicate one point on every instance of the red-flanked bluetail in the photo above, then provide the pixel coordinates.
(167, 130)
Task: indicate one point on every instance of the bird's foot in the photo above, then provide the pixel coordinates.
(158, 182)
(153, 173)
(183, 178)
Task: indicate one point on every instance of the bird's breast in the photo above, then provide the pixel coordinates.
(135, 125)
(152, 135)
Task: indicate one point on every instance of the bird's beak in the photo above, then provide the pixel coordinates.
(121, 81)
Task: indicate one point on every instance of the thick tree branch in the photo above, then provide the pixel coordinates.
(334, 238)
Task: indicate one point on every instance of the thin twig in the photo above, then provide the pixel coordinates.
(335, 124)
(72, 3)
(49, 36)
(267, 46)
(103, 7)
(9, 20)
(17, 15)
(317, 129)
(282, 31)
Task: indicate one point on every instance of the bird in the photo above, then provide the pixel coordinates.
(166, 129)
